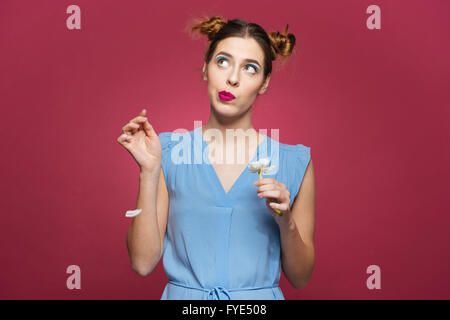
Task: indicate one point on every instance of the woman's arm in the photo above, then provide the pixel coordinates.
(297, 237)
(145, 236)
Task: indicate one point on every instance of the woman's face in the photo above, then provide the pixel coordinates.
(236, 66)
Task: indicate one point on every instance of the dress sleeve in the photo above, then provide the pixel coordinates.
(166, 142)
(301, 161)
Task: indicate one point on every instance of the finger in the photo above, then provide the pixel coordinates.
(274, 194)
(281, 185)
(266, 187)
(123, 138)
(149, 131)
(265, 181)
(279, 206)
(274, 211)
(130, 128)
(139, 119)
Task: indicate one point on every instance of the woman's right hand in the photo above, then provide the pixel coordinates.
(142, 142)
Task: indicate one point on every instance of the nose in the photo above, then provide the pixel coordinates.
(233, 83)
(233, 78)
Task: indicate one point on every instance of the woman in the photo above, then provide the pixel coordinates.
(222, 232)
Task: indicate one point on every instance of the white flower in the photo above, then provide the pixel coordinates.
(260, 165)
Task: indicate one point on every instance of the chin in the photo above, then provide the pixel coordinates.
(227, 109)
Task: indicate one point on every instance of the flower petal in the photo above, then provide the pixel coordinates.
(264, 162)
(133, 213)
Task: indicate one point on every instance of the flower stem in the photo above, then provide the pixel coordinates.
(276, 210)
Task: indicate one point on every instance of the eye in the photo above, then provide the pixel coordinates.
(252, 66)
(219, 60)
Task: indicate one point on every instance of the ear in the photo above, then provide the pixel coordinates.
(264, 85)
(204, 76)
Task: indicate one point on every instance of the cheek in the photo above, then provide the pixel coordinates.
(251, 87)
(214, 75)
(215, 82)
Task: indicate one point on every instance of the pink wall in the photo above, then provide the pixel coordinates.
(373, 105)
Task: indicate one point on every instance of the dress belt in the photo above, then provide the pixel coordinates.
(218, 292)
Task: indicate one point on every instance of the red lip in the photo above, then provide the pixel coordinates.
(227, 94)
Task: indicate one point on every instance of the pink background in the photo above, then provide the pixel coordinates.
(373, 105)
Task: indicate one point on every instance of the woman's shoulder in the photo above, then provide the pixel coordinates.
(168, 138)
(299, 149)
(293, 155)
(165, 138)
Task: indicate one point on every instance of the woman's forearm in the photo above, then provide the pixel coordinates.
(297, 257)
(143, 238)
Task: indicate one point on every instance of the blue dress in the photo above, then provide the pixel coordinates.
(223, 245)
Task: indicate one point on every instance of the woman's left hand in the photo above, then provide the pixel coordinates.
(270, 188)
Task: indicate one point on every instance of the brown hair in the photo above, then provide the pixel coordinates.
(272, 43)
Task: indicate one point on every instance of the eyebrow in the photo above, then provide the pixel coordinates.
(229, 55)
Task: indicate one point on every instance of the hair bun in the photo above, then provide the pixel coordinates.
(210, 26)
(282, 44)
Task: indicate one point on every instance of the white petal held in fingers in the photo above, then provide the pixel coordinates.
(260, 166)
(133, 213)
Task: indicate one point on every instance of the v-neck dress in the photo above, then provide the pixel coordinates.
(223, 245)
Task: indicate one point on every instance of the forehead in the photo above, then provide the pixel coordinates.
(241, 48)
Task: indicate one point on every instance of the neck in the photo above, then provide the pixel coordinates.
(242, 122)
